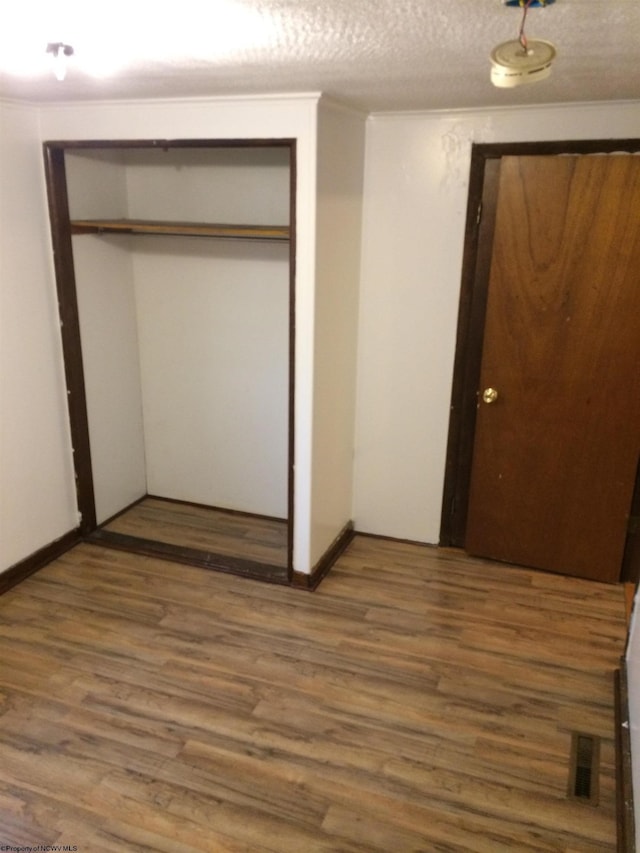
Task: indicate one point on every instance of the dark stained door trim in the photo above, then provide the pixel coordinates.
(478, 240)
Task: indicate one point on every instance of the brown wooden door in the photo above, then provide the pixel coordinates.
(555, 455)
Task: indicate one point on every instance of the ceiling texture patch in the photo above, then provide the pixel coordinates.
(375, 55)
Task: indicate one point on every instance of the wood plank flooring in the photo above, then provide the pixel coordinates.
(216, 531)
(419, 700)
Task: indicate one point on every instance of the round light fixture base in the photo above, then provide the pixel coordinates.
(534, 3)
(514, 65)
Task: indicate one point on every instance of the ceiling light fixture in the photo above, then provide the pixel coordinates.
(60, 52)
(522, 3)
(521, 60)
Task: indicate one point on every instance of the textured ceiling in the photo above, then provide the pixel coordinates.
(377, 55)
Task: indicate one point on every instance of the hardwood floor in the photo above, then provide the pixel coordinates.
(190, 526)
(419, 700)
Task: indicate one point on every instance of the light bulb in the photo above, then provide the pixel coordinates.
(60, 53)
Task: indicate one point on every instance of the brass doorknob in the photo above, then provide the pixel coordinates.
(489, 395)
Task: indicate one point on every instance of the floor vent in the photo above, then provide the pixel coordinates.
(584, 768)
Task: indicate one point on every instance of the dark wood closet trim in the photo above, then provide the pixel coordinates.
(293, 225)
(624, 783)
(58, 201)
(189, 556)
(36, 561)
(478, 239)
(324, 564)
(166, 144)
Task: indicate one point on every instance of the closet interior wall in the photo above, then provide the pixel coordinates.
(185, 340)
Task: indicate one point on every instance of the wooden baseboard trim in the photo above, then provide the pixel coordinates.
(122, 511)
(241, 512)
(189, 556)
(624, 783)
(324, 564)
(384, 538)
(31, 564)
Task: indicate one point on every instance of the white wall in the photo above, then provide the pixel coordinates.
(106, 304)
(214, 327)
(187, 380)
(213, 319)
(341, 137)
(37, 495)
(96, 183)
(233, 185)
(416, 185)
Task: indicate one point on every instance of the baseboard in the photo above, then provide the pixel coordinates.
(189, 556)
(624, 782)
(223, 509)
(121, 512)
(385, 538)
(324, 564)
(31, 564)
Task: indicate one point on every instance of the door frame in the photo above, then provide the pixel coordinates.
(476, 265)
(60, 225)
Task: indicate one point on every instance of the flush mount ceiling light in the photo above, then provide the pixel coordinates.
(60, 52)
(522, 60)
(522, 3)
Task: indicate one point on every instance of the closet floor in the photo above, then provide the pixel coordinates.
(215, 531)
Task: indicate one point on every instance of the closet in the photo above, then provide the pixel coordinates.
(176, 281)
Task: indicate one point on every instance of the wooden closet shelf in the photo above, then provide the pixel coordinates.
(180, 229)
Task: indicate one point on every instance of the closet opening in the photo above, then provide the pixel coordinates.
(175, 272)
